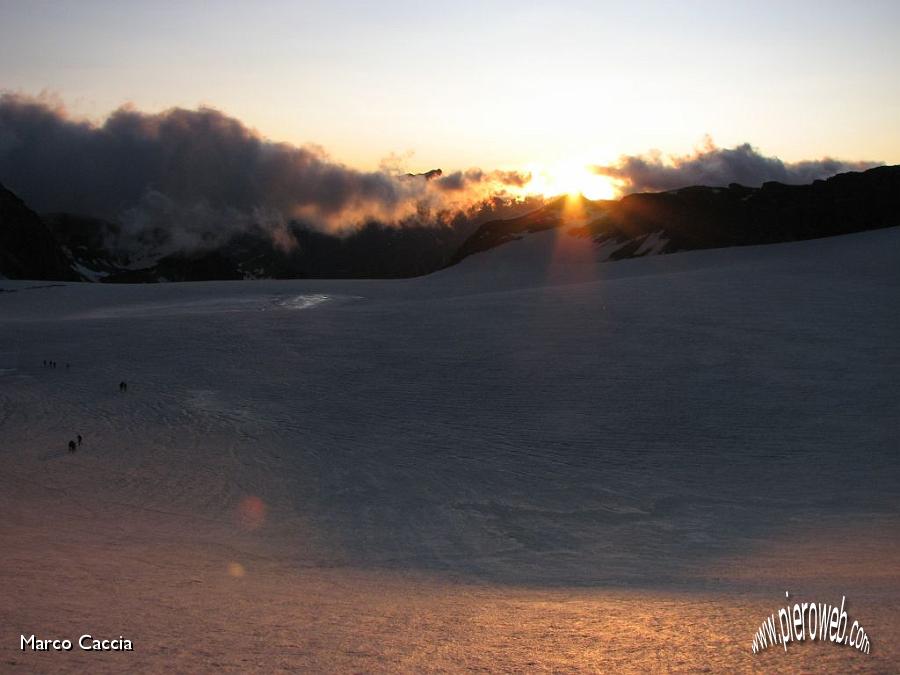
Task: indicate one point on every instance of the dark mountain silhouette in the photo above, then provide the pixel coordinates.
(374, 251)
(711, 217)
(497, 232)
(92, 242)
(72, 247)
(428, 175)
(28, 249)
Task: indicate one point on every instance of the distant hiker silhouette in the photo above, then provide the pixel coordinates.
(71, 446)
(79, 439)
(45, 363)
(123, 386)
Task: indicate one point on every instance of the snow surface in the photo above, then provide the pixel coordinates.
(529, 461)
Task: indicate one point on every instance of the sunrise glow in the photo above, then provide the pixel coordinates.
(342, 336)
(569, 178)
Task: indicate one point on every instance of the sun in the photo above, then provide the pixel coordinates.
(569, 178)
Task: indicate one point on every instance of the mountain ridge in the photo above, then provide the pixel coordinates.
(700, 217)
(70, 247)
(28, 248)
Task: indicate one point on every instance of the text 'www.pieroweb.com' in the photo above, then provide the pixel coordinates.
(810, 621)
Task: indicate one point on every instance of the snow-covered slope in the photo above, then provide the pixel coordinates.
(721, 425)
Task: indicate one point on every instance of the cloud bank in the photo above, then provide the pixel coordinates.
(202, 174)
(185, 179)
(715, 166)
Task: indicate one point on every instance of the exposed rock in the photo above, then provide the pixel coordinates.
(28, 249)
(712, 217)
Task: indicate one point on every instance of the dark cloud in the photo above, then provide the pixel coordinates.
(452, 181)
(714, 166)
(513, 178)
(465, 180)
(197, 173)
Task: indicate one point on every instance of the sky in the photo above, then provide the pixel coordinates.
(496, 85)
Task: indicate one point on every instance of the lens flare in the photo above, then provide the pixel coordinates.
(250, 513)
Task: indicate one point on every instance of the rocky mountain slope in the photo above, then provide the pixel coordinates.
(28, 249)
(711, 217)
(74, 247)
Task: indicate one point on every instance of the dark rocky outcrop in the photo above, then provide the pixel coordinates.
(201, 266)
(28, 249)
(372, 252)
(428, 175)
(711, 217)
(92, 242)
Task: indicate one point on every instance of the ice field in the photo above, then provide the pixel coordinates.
(530, 461)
